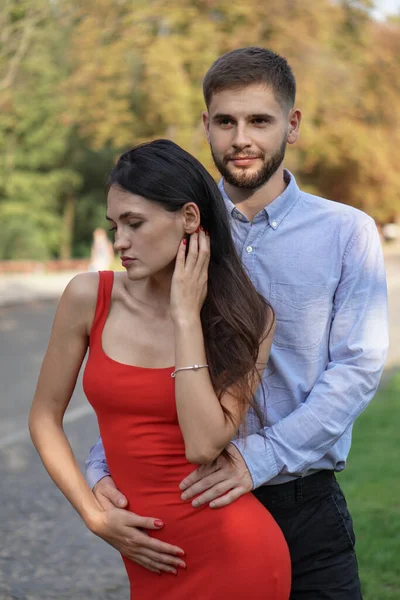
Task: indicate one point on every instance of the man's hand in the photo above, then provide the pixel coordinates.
(124, 531)
(219, 484)
(107, 494)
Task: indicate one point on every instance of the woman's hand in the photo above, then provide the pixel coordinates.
(189, 281)
(127, 533)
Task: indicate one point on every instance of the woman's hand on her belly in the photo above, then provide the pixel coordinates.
(126, 531)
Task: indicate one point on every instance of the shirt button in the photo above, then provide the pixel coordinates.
(249, 249)
(274, 223)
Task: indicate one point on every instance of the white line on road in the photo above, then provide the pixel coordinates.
(23, 434)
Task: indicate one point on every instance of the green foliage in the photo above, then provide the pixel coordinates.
(35, 177)
(79, 82)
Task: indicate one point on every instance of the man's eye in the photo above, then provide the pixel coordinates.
(225, 122)
(136, 225)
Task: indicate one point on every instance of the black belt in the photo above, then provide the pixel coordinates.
(298, 490)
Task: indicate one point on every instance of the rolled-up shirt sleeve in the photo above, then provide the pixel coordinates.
(96, 465)
(358, 344)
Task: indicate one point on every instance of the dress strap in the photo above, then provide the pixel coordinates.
(106, 281)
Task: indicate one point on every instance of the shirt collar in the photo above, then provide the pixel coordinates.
(277, 210)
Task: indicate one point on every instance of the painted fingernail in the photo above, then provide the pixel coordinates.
(184, 242)
(202, 228)
(182, 565)
(180, 553)
(158, 523)
(173, 571)
(197, 230)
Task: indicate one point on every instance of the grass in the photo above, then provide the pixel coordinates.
(371, 483)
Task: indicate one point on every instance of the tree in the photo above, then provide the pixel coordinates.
(36, 184)
(80, 82)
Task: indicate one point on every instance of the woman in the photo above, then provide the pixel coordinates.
(177, 345)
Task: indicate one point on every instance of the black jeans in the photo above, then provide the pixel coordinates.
(318, 528)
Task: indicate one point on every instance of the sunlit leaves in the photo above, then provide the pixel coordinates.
(81, 81)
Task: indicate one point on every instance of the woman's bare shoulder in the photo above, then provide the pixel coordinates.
(78, 302)
(83, 288)
(77, 307)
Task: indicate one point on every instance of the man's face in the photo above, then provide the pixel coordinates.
(248, 131)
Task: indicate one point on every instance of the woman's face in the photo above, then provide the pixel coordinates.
(147, 236)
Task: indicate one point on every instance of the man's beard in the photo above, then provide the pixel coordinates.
(250, 181)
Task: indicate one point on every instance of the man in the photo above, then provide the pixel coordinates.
(320, 265)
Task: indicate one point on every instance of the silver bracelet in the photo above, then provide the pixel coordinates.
(192, 368)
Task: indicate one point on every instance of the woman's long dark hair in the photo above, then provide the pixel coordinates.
(234, 317)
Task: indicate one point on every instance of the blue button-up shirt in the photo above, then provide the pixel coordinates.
(320, 265)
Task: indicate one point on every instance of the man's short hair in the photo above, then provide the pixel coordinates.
(246, 66)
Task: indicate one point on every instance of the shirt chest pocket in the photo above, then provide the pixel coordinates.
(301, 313)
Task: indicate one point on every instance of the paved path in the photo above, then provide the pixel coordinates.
(393, 278)
(46, 553)
(28, 287)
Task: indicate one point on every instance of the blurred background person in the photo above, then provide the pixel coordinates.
(102, 253)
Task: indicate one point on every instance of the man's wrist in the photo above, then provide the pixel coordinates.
(238, 450)
(95, 473)
(258, 454)
(101, 479)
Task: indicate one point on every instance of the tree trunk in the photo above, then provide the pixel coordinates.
(67, 227)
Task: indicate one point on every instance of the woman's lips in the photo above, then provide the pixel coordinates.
(127, 261)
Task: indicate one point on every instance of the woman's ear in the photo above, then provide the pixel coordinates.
(191, 217)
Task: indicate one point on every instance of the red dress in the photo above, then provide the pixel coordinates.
(232, 553)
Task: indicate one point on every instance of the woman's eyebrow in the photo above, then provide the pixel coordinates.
(126, 215)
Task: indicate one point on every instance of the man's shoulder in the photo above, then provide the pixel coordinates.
(335, 210)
